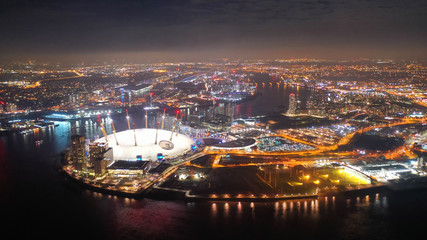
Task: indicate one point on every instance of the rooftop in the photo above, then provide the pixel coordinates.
(239, 143)
(145, 144)
(131, 165)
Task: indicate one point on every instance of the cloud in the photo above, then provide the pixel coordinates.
(169, 25)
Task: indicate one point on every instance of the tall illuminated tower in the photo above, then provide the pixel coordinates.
(293, 105)
(100, 157)
(78, 152)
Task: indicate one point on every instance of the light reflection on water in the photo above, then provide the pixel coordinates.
(226, 210)
(239, 210)
(130, 215)
(214, 210)
(57, 139)
(126, 218)
(306, 208)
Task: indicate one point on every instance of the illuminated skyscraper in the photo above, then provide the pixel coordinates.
(293, 105)
(100, 157)
(78, 152)
(127, 98)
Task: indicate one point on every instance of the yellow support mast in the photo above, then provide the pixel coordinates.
(179, 124)
(134, 133)
(157, 133)
(174, 124)
(127, 117)
(146, 118)
(163, 118)
(103, 130)
(114, 131)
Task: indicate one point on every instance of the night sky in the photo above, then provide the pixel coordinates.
(207, 29)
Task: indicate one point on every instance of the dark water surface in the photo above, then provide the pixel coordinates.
(36, 203)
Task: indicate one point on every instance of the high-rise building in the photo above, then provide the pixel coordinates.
(127, 98)
(100, 157)
(73, 99)
(226, 109)
(293, 105)
(78, 152)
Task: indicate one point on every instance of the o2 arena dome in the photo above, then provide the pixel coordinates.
(146, 145)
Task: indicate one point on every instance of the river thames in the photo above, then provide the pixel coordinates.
(36, 202)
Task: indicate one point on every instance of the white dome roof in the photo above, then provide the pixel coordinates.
(145, 138)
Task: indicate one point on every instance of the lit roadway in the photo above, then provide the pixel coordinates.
(172, 169)
(39, 82)
(321, 151)
(142, 184)
(345, 140)
(414, 97)
(288, 158)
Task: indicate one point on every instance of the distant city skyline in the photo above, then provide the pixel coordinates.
(193, 30)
